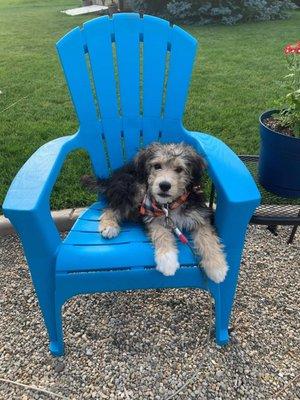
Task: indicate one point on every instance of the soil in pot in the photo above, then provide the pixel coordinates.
(275, 125)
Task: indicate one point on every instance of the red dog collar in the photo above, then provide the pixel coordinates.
(150, 208)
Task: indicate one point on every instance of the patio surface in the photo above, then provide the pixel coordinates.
(145, 345)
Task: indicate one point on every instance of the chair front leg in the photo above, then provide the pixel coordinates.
(40, 240)
(231, 222)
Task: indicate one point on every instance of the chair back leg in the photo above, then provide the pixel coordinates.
(222, 316)
(51, 308)
(56, 345)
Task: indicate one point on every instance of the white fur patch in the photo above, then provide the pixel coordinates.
(110, 231)
(167, 263)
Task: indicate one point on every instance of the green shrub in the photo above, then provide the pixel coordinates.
(205, 12)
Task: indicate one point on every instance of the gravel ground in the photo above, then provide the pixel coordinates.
(145, 345)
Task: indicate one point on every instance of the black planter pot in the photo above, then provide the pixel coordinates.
(279, 161)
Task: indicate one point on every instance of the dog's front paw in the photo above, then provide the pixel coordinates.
(216, 270)
(109, 231)
(167, 263)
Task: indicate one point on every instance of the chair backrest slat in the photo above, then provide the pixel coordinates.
(112, 136)
(156, 36)
(182, 54)
(98, 34)
(72, 57)
(127, 28)
(127, 38)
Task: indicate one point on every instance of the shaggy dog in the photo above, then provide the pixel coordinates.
(164, 180)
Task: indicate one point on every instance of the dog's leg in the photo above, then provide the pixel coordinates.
(208, 245)
(165, 249)
(109, 223)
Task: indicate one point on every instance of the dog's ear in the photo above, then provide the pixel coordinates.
(140, 163)
(197, 167)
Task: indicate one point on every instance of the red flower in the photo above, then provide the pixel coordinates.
(290, 49)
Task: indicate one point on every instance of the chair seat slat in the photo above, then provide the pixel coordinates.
(129, 255)
(91, 226)
(127, 235)
(84, 249)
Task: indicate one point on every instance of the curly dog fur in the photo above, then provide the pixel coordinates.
(164, 172)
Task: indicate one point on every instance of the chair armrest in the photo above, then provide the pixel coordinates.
(33, 183)
(229, 174)
(27, 200)
(237, 193)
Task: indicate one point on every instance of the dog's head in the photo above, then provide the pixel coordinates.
(169, 170)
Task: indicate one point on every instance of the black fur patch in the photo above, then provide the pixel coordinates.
(121, 191)
(196, 166)
(197, 201)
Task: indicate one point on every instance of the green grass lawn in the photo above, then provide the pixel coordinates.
(235, 79)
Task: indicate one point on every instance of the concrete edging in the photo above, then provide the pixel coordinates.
(64, 220)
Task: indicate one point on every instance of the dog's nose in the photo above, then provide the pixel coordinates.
(165, 186)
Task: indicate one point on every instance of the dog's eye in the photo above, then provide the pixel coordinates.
(157, 166)
(179, 169)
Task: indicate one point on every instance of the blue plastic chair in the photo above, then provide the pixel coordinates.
(133, 106)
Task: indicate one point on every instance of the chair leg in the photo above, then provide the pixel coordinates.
(40, 240)
(44, 284)
(51, 311)
(222, 317)
(56, 345)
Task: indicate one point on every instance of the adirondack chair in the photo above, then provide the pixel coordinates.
(136, 105)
